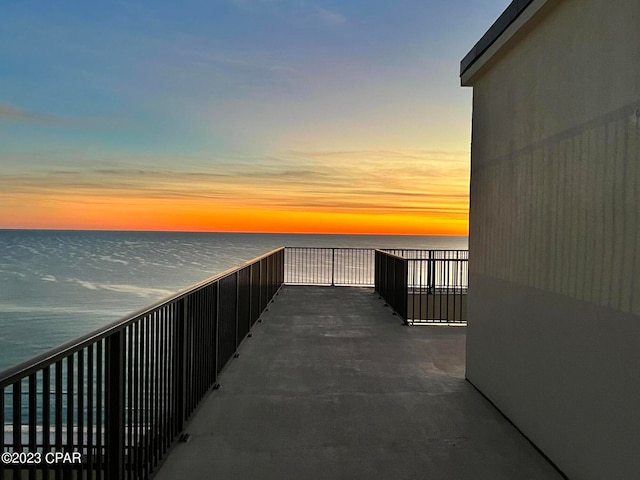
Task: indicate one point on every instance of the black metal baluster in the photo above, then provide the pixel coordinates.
(162, 379)
(149, 395)
(203, 304)
(114, 403)
(190, 320)
(309, 268)
(195, 334)
(33, 415)
(58, 414)
(100, 468)
(178, 388)
(154, 390)
(70, 413)
(444, 273)
(156, 385)
(211, 329)
(456, 291)
(182, 363)
(148, 403)
(80, 438)
(17, 423)
(167, 371)
(215, 327)
(210, 314)
(129, 445)
(89, 459)
(46, 418)
(134, 424)
(144, 392)
(2, 442)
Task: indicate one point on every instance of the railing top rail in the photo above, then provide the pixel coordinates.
(382, 249)
(427, 249)
(15, 373)
(437, 259)
(391, 254)
(329, 248)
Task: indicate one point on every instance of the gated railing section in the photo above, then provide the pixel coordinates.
(118, 398)
(391, 275)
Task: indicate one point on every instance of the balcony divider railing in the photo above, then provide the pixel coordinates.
(391, 280)
(427, 287)
(437, 290)
(119, 397)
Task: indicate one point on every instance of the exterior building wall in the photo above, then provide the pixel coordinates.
(554, 304)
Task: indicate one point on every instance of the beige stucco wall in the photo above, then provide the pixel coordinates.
(554, 302)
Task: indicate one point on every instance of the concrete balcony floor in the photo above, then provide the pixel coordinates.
(332, 386)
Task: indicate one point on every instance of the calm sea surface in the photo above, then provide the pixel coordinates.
(58, 285)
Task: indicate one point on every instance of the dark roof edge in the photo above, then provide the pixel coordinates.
(507, 17)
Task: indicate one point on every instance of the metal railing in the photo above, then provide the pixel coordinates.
(437, 290)
(356, 266)
(120, 396)
(329, 266)
(391, 280)
(428, 287)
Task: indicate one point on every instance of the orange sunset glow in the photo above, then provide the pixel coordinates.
(189, 117)
(417, 192)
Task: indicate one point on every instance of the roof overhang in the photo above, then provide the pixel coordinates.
(508, 24)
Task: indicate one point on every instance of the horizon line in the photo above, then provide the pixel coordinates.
(226, 231)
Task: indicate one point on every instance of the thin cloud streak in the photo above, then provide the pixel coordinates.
(329, 18)
(355, 181)
(10, 113)
(295, 12)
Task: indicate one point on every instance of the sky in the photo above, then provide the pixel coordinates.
(305, 116)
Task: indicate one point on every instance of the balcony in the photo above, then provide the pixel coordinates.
(247, 375)
(332, 385)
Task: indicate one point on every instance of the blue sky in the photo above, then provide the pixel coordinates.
(96, 95)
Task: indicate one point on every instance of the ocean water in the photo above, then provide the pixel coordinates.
(58, 285)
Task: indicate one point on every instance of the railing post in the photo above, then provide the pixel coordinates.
(405, 290)
(333, 266)
(431, 273)
(114, 425)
